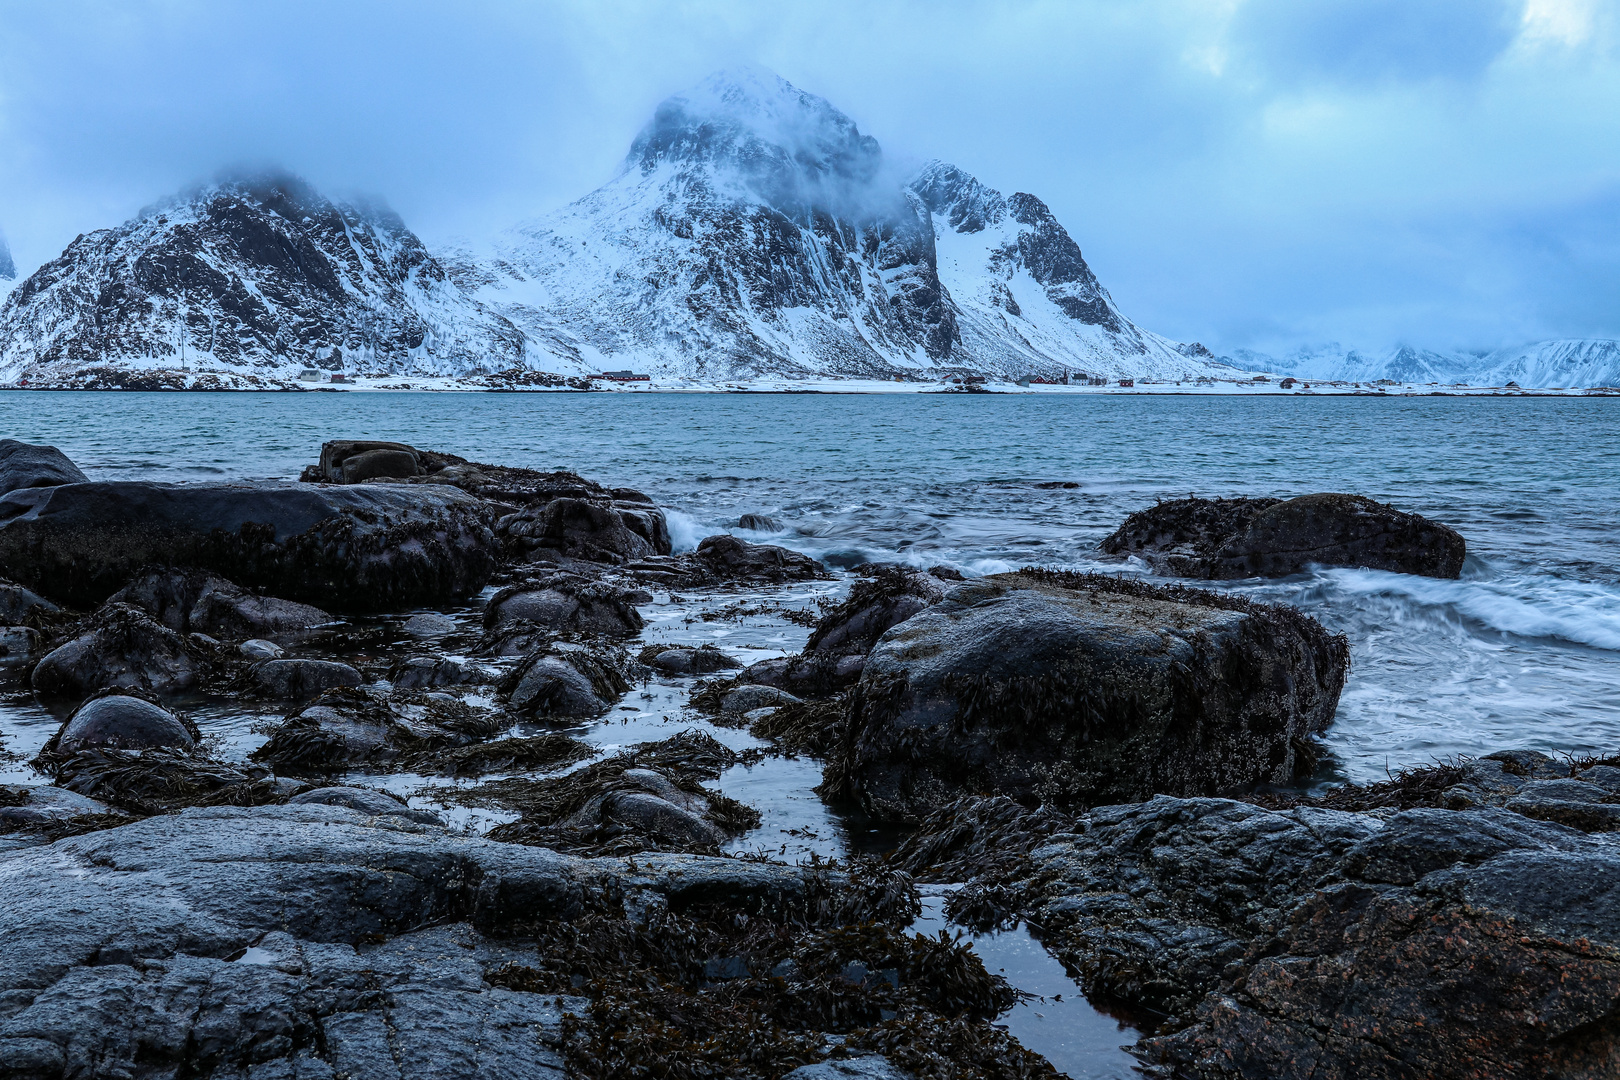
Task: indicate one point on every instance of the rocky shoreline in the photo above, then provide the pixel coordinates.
(1108, 761)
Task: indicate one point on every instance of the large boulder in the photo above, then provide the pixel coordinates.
(25, 466)
(1078, 689)
(566, 681)
(1220, 539)
(1452, 945)
(353, 461)
(122, 722)
(20, 606)
(198, 602)
(565, 603)
(365, 547)
(727, 559)
(835, 655)
(347, 726)
(121, 646)
(301, 677)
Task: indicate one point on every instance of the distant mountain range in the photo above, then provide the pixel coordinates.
(1575, 363)
(751, 231)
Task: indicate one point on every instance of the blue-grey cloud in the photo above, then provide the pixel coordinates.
(1250, 172)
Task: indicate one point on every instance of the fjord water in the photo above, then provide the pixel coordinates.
(1524, 650)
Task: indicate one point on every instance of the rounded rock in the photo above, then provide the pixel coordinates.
(127, 723)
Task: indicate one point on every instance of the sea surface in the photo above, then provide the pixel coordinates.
(1523, 651)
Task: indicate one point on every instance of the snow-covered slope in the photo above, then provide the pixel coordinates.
(1580, 363)
(1026, 301)
(258, 275)
(754, 230)
(1590, 362)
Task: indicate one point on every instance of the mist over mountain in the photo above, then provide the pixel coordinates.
(258, 274)
(754, 230)
(751, 230)
(8, 269)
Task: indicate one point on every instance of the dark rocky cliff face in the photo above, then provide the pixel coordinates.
(254, 273)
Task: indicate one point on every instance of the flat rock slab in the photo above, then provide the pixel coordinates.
(367, 547)
(299, 941)
(1085, 690)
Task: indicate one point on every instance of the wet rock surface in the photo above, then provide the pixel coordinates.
(1239, 538)
(567, 681)
(367, 547)
(1308, 941)
(120, 646)
(649, 798)
(292, 680)
(1078, 689)
(318, 940)
(346, 727)
(23, 465)
(123, 722)
(565, 602)
(197, 602)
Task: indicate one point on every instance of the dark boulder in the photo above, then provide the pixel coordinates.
(1080, 689)
(353, 461)
(298, 679)
(686, 660)
(565, 603)
(758, 523)
(26, 466)
(121, 646)
(883, 597)
(731, 559)
(347, 727)
(650, 797)
(593, 530)
(1219, 539)
(566, 681)
(198, 602)
(19, 606)
(123, 722)
(19, 645)
(426, 672)
(366, 547)
(1454, 945)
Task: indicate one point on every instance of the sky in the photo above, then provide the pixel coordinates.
(1246, 173)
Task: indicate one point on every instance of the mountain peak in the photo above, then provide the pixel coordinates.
(757, 123)
(8, 269)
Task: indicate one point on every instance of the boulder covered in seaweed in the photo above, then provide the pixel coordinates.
(191, 601)
(120, 646)
(1076, 689)
(368, 547)
(1239, 538)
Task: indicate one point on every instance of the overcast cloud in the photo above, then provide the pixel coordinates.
(1242, 172)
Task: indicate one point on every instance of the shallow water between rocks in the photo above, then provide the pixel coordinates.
(1524, 650)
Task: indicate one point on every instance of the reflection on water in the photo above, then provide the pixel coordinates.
(1056, 1021)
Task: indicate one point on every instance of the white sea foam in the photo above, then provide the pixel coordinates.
(684, 530)
(1532, 607)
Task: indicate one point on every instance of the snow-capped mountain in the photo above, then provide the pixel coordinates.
(1579, 363)
(753, 229)
(8, 269)
(259, 275)
(1589, 362)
